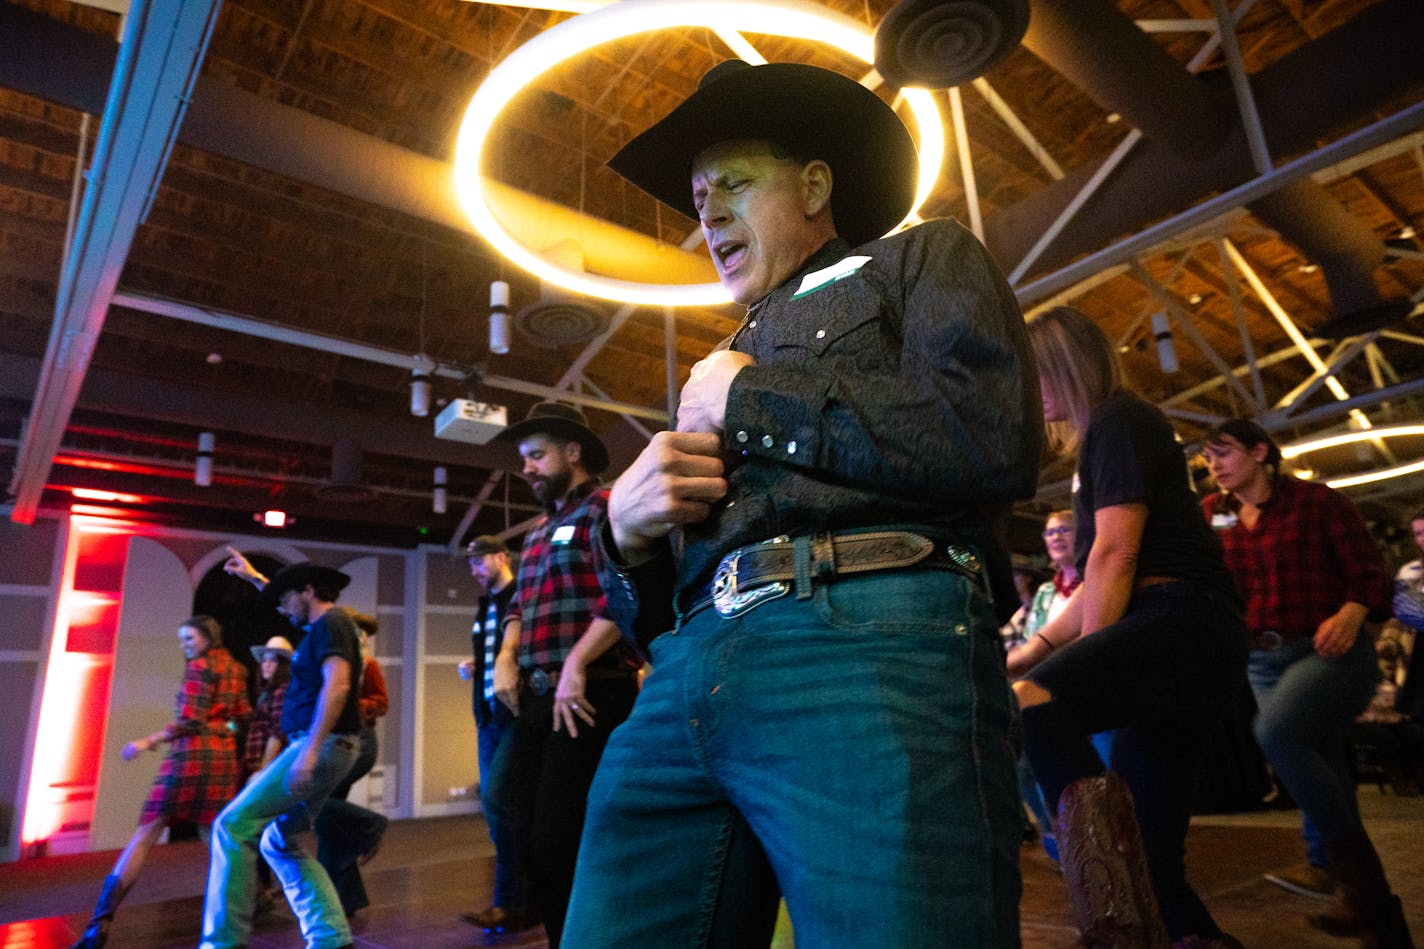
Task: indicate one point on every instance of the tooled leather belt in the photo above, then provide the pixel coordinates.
(751, 575)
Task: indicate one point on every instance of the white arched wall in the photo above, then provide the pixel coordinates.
(148, 668)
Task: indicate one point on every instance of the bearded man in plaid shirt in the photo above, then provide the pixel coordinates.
(563, 668)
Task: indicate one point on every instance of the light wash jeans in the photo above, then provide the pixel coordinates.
(1307, 702)
(267, 810)
(863, 736)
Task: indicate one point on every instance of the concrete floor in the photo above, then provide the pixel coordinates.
(429, 870)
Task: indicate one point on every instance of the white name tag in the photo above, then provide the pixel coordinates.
(841, 268)
(562, 535)
(1223, 522)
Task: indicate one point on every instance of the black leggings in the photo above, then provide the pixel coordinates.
(1159, 677)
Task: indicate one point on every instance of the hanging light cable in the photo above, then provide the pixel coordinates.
(424, 365)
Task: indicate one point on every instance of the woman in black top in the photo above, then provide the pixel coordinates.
(1151, 644)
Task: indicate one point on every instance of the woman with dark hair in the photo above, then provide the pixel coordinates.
(265, 737)
(264, 734)
(1311, 576)
(1151, 644)
(201, 771)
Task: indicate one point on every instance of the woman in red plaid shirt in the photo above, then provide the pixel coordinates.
(1311, 576)
(201, 771)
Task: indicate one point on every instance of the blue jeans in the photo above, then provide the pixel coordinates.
(267, 810)
(1307, 702)
(496, 750)
(862, 734)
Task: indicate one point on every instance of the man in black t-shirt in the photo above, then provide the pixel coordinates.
(321, 716)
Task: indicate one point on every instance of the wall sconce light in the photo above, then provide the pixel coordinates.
(203, 469)
(499, 318)
(1166, 349)
(272, 518)
(439, 500)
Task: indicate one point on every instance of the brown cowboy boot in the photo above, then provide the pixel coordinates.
(1109, 883)
(1366, 909)
(97, 933)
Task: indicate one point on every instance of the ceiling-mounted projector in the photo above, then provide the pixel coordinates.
(465, 420)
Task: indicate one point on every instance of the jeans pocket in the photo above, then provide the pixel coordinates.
(907, 600)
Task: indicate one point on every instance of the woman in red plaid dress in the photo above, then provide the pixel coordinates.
(202, 769)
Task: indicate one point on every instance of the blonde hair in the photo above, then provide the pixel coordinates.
(1078, 365)
(1064, 515)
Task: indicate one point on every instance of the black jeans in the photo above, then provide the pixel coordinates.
(1160, 677)
(551, 776)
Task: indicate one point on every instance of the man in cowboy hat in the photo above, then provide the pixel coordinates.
(511, 908)
(839, 474)
(321, 718)
(562, 668)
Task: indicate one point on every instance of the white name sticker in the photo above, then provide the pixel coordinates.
(1223, 522)
(562, 535)
(841, 268)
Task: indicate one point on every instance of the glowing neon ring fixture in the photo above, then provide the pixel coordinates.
(1368, 477)
(794, 18)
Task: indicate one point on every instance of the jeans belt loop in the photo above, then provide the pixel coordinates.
(801, 557)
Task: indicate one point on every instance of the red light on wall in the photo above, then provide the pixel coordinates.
(71, 723)
(113, 497)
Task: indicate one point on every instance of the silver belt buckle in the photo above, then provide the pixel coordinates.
(729, 600)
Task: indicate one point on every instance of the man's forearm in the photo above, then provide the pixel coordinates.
(509, 645)
(595, 641)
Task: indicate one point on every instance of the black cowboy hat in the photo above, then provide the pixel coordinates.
(813, 111)
(298, 575)
(560, 420)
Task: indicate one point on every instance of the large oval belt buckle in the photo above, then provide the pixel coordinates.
(729, 600)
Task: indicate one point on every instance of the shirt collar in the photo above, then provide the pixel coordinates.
(831, 251)
(1281, 487)
(575, 495)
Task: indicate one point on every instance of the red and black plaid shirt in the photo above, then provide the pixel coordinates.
(559, 593)
(266, 723)
(1309, 553)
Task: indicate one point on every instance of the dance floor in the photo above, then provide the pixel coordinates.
(428, 871)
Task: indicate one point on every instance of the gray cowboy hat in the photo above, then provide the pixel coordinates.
(298, 575)
(813, 111)
(281, 645)
(560, 420)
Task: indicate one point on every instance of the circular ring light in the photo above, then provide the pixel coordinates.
(1348, 438)
(794, 18)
